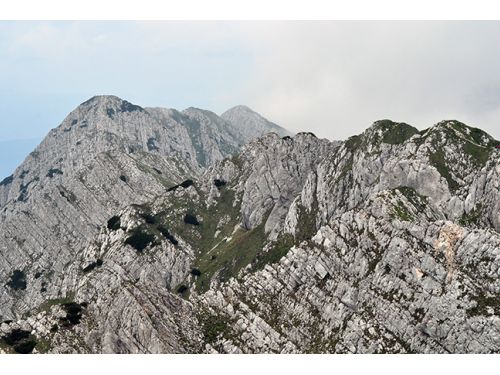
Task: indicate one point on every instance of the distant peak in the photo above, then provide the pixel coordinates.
(112, 104)
(240, 108)
(459, 129)
(102, 99)
(390, 132)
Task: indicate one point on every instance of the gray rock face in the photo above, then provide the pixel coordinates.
(251, 124)
(106, 155)
(385, 243)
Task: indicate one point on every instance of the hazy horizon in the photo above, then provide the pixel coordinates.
(333, 78)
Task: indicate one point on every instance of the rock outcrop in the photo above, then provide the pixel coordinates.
(387, 242)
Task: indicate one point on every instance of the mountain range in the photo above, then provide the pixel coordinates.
(152, 230)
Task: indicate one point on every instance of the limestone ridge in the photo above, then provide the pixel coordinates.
(387, 242)
(251, 124)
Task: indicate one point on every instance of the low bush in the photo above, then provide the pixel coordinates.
(139, 240)
(191, 219)
(17, 280)
(114, 223)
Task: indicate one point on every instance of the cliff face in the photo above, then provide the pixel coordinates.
(387, 242)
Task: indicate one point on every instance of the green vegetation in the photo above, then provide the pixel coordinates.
(43, 345)
(401, 213)
(395, 133)
(73, 314)
(213, 326)
(53, 171)
(19, 341)
(56, 301)
(438, 160)
(114, 223)
(140, 239)
(191, 219)
(478, 154)
(417, 200)
(7, 180)
(219, 183)
(306, 227)
(17, 280)
(165, 232)
(473, 217)
(474, 134)
(483, 303)
(185, 184)
(230, 255)
(278, 250)
(92, 266)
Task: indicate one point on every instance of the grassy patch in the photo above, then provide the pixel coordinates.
(483, 303)
(479, 155)
(230, 256)
(438, 160)
(396, 133)
(473, 217)
(213, 326)
(277, 251)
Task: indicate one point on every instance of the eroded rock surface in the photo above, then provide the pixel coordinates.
(163, 233)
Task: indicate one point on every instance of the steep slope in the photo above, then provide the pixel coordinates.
(106, 155)
(251, 124)
(387, 242)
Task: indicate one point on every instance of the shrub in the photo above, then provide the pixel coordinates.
(92, 266)
(164, 231)
(150, 219)
(181, 289)
(191, 219)
(7, 180)
(129, 107)
(25, 347)
(219, 183)
(17, 280)
(139, 240)
(110, 112)
(185, 184)
(53, 171)
(124, 178)
(73, 313)
(21, 341)
(195, 272)
(114, 223)
(15, 336)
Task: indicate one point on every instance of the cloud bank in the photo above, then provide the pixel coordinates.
(331, 78)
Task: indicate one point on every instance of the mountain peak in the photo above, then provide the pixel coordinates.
(241, 108)
(251, 123)
(111, 103)
(459, 129)
(390, 132)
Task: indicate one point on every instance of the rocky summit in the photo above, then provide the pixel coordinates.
(152, 230)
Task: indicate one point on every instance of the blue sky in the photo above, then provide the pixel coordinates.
(331, 78)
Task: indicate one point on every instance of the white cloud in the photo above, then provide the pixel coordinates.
(331, 78)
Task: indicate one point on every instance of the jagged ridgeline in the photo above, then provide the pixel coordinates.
(150, 230)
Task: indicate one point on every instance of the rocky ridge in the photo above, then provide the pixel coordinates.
(385, 243)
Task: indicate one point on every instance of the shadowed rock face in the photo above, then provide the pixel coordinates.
(386, 242)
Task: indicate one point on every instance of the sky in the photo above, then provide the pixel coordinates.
(333, 78)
